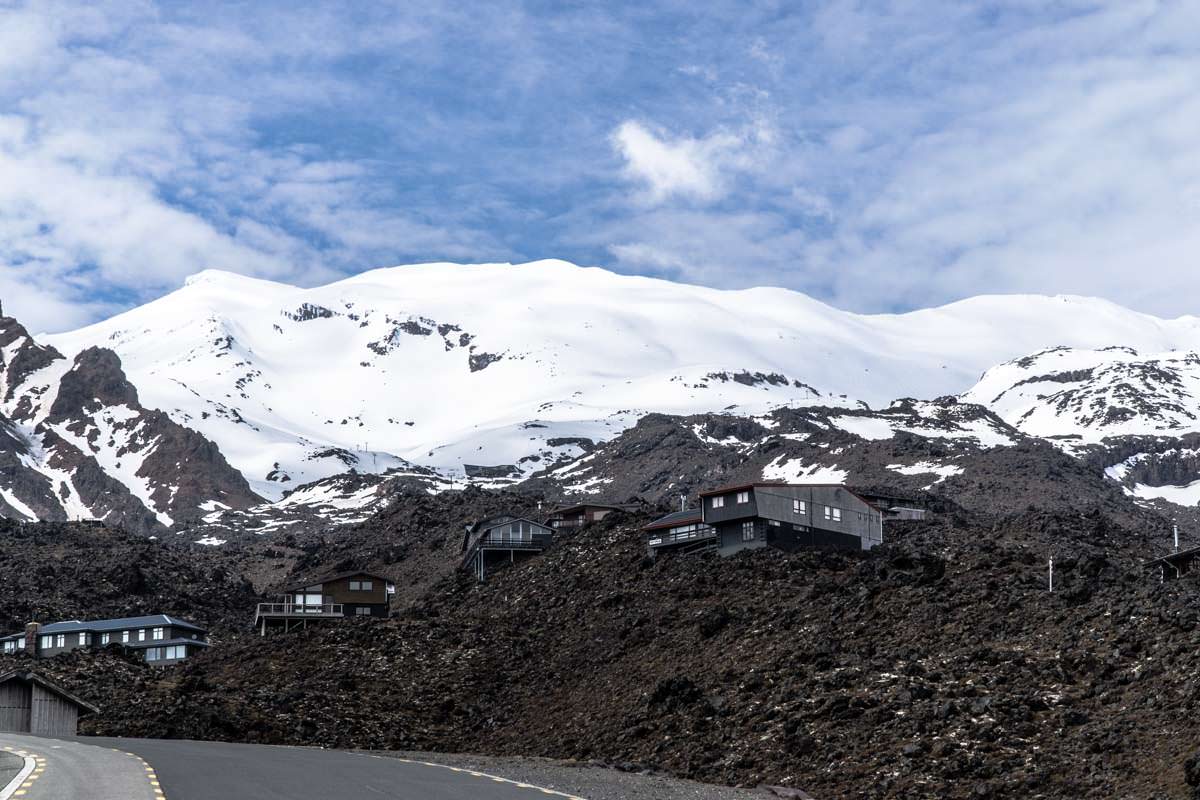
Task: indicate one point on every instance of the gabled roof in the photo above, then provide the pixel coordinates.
(504, 519)
(106, 625)
(33, 677)
(336, 576)
(676, 518)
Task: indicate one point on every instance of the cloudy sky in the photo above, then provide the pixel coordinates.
(877, 155)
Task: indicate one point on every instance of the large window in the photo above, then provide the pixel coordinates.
(47, 641)
(799, 507)
(743, 497)
(748, 531)
(158, 634)
(833, 514)
(718, 502)
(10, 647)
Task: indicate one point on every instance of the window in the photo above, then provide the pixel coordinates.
(10, 647)
(157, 634)
(124, 636)
(141, 634)
(47, 641)
(153, 653)
(748, 531)
(362, 611)
(105, 638)
(799, 507)
(743, 497)
(718, 502)
(60, 640)
(361, 586)
(833, 514)
(83, 639)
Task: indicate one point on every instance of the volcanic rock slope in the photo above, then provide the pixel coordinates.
(76, 443)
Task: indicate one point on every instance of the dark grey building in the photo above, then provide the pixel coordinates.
(784, 516)
(505, 539)
(160, 639)
(354, 594)
(31, 704)
(575, 517)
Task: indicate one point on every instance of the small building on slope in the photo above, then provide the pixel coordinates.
(31, 704)
(335, 596)
(160, 639)
(503, 539)
(575, 517)
(779, 515)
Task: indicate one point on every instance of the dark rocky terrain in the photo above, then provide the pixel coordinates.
(59, 571)
(938, 665)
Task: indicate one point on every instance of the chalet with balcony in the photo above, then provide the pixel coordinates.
(335, 596)
(783, 516)
(504, 539)
(160, 639)
(680, 531)
(575, 517)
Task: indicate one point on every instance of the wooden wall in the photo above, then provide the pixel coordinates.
(15, 699)
(52, 715)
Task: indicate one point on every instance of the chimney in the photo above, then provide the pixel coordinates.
(31, 637)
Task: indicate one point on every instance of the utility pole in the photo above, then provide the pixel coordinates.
(1052, 573)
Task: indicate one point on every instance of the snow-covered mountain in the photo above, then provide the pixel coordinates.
(497, 371)
(76, 443)
(1085, 395)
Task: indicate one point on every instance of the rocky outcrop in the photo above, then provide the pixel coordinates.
(78, 444)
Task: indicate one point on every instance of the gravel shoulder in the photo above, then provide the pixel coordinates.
(590, 780)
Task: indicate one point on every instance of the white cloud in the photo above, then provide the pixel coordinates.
(682, 167)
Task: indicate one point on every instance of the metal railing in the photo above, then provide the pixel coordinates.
(515, 542)
(299, 610)
(668, 538)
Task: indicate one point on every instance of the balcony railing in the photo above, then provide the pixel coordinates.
(668, 537)
(515, 542)
(299, 610)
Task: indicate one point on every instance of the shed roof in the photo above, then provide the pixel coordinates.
(33, 677)
(783, 485)
(676, 518)
(1191, 552)
(585, 506)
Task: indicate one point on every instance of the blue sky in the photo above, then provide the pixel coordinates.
(877, 155)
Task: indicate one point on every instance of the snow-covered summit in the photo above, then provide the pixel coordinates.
(495, 370)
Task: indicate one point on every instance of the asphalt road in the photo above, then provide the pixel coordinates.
(70, 770)
(219, 771)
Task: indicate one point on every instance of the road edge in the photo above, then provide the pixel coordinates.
(19, 780)
(477, 774)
